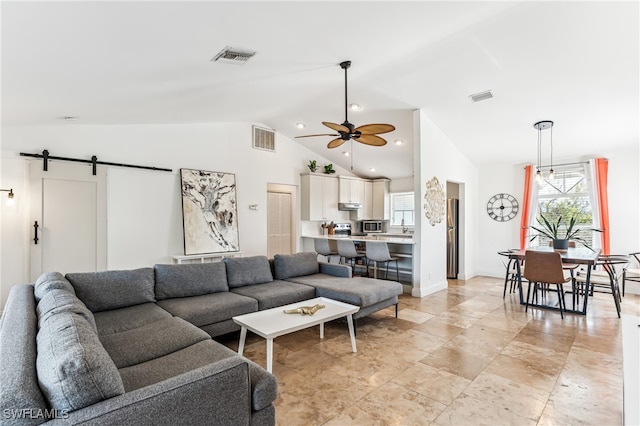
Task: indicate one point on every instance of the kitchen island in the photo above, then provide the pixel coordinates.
(399, 246)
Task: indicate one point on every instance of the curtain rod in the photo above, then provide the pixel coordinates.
(94, 161)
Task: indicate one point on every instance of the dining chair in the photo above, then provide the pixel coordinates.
(631, 274)
(323, 248)
(542, 269)
(378, 251)
(349, 254)
(511, 274)
(605, 279)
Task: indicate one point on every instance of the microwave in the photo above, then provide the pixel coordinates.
(371, 226)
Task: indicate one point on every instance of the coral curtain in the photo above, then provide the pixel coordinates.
(602, 172)
(526, 206)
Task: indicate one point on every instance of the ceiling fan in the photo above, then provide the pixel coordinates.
(366, 134)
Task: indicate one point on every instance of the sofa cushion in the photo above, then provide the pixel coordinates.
(209, 308)
(74, 369)
(276, 293)
(295, 265)
(151, 341)
(190, 280)
(57, 300)
(264, 387)
(102, 291)
(251, 270)
(357, 291)
(49, 281)
(123, 319)
(19, 388)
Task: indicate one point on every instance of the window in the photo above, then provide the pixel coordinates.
(566, 196)
(402, 209)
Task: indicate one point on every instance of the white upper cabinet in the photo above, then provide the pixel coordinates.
(381, 202)
(319, 198)
(366, 199)
(351, 189)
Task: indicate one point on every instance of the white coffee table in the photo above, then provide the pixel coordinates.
(272, 323)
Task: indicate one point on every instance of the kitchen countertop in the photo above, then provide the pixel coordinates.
(377, 237)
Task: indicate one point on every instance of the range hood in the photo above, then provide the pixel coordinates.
(349, 206)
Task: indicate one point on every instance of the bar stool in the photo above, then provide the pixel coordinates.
(378, 251)
(322, 247)
(348, 253)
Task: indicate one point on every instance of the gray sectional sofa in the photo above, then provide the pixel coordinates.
(136, 346)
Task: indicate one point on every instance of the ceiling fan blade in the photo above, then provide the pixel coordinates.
(374, 129)
(372, 140)
(336, 143)
(323, 134)
(336, 127)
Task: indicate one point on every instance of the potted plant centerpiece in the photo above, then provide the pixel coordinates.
(560, 232)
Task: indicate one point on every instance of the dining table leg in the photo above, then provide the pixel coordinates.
(519, 280)
(587, 282)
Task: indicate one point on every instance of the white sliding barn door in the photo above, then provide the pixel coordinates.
(69, 205)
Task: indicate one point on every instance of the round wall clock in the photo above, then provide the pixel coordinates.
(502, 207)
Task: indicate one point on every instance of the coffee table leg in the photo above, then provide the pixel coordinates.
(270, 355)
(322, 330)
(243, 336)
(351, 333)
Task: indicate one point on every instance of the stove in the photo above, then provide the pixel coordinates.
(342, 229)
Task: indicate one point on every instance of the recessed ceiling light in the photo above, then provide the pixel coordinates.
(355, 107)
(372, 169)
(301, 125)
(398, 142)
(345, 153)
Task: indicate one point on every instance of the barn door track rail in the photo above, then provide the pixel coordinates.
(94, 162)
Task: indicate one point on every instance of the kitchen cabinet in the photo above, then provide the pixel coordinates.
(366, 199)
(351, 190)
(381, 201)
(319, 196)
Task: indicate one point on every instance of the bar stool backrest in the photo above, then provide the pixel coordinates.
(378, 251)
(321, 246)
(347, 248)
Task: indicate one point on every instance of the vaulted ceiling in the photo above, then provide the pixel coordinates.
(576, 63)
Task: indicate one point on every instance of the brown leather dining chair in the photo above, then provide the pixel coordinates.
(543, 269)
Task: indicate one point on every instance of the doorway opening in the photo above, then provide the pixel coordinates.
(455, 230)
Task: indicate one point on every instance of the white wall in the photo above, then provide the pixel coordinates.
(624, 207)
(435, 155)
(144, 207)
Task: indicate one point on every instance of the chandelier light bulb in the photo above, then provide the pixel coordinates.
(551, 174)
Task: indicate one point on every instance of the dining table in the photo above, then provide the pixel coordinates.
(579, 255)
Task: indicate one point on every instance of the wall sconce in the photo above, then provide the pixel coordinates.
(10, 195)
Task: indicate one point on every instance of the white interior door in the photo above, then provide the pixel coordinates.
(279, 224)
(69, 205)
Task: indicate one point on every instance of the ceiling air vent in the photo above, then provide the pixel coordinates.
(233, 55)
(264, 139)
(482, 96)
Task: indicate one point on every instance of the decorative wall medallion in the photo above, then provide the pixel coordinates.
(209, 212)
(435, 198)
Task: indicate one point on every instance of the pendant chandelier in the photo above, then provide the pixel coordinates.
(540, 126)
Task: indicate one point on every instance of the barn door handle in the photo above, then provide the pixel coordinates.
(36, 226)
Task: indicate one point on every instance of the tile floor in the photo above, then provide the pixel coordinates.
(462, 356)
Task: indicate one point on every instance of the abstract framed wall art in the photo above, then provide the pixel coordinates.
(209, 212)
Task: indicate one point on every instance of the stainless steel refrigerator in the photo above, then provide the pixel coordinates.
(452, 238)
